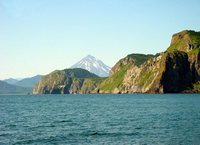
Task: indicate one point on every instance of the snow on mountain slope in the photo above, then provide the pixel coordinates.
(93, 65)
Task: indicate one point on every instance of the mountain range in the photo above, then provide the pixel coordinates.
(90, 63)
(6, 88)
(93, 65)
(15, 86)
(28, 82)
(11, 81)
(177, 70)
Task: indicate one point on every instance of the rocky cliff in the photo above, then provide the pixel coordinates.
(176, 70)
(173, 71)
(68, 81)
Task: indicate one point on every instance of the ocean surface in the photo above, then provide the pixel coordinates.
(145, 119)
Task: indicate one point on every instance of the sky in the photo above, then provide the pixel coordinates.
(40, 36)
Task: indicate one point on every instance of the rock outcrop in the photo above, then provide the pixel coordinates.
(177, 70)
(68, 81)
(173, 71)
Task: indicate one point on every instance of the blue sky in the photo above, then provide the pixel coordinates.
(39, 36)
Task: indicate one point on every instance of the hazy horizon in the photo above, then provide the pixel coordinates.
(37, 37)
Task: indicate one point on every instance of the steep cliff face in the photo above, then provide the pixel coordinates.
(187, 41)
(176, 70)
(123, 75)
(146, 77)
(131, 59)
(68, 81)
(183, 63)
(177, 76)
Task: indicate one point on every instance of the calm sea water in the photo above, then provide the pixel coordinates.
(100, 119)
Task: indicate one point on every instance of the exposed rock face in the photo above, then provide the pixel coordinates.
(186, 64)
(117, 66)
(177, 76)
(125, 76)
(145, 78)
(185, 41)
(174, 71)
(68, 81)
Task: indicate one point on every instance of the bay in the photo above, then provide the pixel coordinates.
(100, 119)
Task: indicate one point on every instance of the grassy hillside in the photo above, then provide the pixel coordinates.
(187, 41)
(66, 81)
(140, 58)
(115, 80)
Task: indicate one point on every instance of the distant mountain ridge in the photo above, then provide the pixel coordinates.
(25, 82)
(6, 88)
(93, 65)
(14, 86)
(28, 82)
(11, 81)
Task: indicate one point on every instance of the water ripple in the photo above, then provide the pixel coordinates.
(100, 119)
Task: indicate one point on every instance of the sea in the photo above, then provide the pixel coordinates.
(103, 119)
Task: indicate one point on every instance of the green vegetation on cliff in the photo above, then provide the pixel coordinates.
(187, 41)
(79, 73)
(146, 78)
(196, 87)
(182, 63)
(90, 84)
(173, 71)
(139, 59)
(65, 81)
(115, 80)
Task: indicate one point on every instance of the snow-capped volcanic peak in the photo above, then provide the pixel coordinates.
(93, 65)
